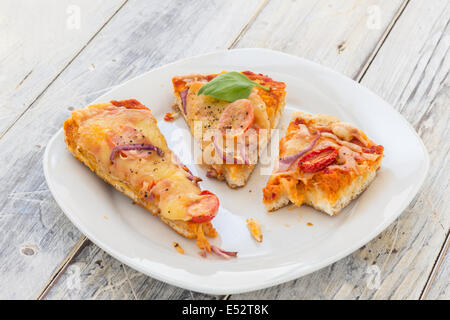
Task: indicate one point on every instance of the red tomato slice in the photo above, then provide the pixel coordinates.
(318, 159)
(206, 192)
(237, 117)
(205, 209)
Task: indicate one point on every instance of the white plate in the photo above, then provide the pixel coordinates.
(290, 248)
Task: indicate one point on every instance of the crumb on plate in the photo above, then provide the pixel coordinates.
(178, 247)
(255, 229)
(170, 116)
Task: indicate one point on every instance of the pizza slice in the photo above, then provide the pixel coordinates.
(231, 115)
(122, 144)
(323, 163)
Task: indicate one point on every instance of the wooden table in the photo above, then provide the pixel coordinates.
(59, 55)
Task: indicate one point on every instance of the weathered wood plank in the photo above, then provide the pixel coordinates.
(96, 275)
(270, 22)
(337, 34)
(411, 71)
(38, 39)
(143, 34)
(439, 288)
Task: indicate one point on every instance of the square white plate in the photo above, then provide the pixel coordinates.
(290, 248)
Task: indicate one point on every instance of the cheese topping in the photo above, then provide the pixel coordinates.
(295, 140)
(347, 132)
(156, 178)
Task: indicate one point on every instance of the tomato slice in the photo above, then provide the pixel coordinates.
(237, 117)
(206, 192)
(318, 159)
(205, 209)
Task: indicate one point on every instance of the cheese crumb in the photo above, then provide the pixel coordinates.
(170, 116)
(178, 247)
(255, 229)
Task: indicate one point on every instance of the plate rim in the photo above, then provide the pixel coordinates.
(233, 289)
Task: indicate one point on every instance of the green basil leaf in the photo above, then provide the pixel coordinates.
(230, 86)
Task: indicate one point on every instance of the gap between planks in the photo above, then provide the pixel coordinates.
(77, 248)
(83, 242)
(437, 264)
(248, 24)
(380, 43)
(60, 72)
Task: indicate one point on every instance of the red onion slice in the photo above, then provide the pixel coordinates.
(212, 173)
(286, 162)
(191, 177)
(243, 153)
(128, 147)
(194, 179)
(183, 95)
(226, 156)
(222, 253)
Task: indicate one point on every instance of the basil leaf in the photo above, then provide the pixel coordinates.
(230, 86)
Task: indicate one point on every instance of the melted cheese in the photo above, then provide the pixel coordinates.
(261, 117)
(203, 108)
(349, 145)
(203, 114)
(347, 132)
(296, 139)
(346, 160)
(153, 177)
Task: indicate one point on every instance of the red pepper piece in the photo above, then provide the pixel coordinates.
(318, 159)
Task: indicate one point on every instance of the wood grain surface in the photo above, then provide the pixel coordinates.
(141, 36)
(438, 285)
(413, 76)
(398, 49)
(39, 39)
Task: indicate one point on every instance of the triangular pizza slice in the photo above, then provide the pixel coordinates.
(122, 144)
(323, 163)
(231, 114)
